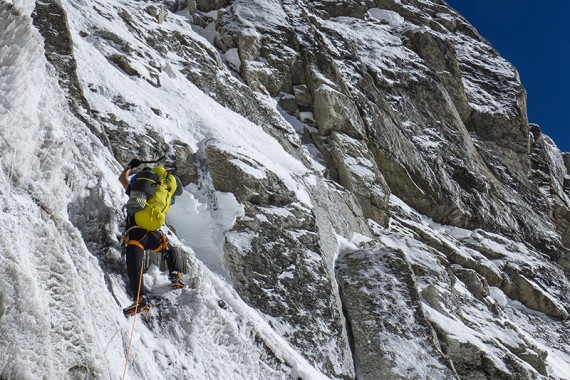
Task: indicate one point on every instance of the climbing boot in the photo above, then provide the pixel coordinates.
(176, 280)
(141, 306)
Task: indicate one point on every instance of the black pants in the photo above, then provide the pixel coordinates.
(139, 240)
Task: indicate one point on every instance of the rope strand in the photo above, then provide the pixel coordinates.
(134, 321)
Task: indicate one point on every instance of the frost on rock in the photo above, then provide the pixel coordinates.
(479, 326)
(378, 74)
(392, 338)
(285, 276)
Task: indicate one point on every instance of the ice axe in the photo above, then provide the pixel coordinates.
(136, 162)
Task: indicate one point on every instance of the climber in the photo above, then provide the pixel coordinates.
(151, 192)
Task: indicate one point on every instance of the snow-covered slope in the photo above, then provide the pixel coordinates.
(301, 130)
(61, 296)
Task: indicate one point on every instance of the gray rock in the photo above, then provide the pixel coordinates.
(229, 174)
(474, 282)
(334, 111)
(525, 285)
(264, 79)
(440, 54)
(124, 64)
(288, 103)
(185, 161)
(385, 316)
(177, 5)
(152, 10)
(357, 171)
(281, 271)
(436, 121)
(335, 8)
(249, 47)
(210, 5)
(337, 212)
(566, 157)
(303, 96)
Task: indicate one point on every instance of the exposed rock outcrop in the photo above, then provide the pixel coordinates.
(274, 256)
(385, 316)
(476, 143)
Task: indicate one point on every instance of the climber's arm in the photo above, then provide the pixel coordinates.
(124, 177)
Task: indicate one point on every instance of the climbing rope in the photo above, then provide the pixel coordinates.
(134, 321)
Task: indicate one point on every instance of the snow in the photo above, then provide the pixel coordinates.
(60, 304)
(482, 98)
(233, 58)
(475, 324)
(429, 140)
(391, 17)
(202, 228)
(266, 14)
(498, 295)
(380, 49)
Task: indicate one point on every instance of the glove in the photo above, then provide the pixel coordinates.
(134, 163)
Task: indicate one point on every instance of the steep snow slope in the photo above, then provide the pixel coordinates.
(47, 272)
(61, 299)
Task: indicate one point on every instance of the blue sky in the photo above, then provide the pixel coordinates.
(535, 37)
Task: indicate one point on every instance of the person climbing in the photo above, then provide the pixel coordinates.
(151, 192)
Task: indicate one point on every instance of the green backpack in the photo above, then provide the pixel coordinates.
(160, 187)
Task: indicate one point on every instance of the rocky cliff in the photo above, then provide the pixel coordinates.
(396, 214)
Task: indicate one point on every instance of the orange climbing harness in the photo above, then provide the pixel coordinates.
(137, 243)
(163, 244)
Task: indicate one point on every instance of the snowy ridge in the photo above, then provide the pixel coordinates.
(46, 266)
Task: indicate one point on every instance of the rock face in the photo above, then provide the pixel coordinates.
(401, 217)
(276, 260)
(478, 142)
(380, 296)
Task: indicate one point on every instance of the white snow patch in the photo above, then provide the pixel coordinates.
(232, 57)
(391, 17)
(202, 228)
(498, 295)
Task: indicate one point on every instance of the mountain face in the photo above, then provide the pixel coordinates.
(365, 197)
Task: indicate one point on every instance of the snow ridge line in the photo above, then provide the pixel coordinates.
(50, 20)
